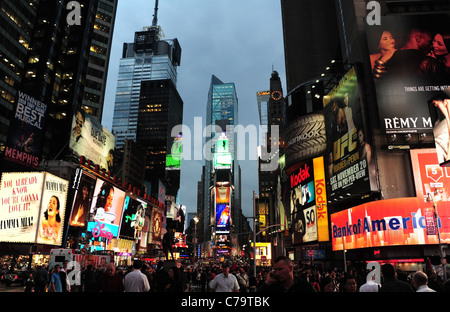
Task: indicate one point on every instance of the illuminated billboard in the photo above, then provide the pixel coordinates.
(32, 207)
(350, 164)
(107, 207)
(84, 185)
(308, 201)
(133, 217)
(24, 142)
(222, 155)
(408, 56)
(390, 222)
(90, 139)
(222, 218)
(156, 226)
(173, 159)
(305, 137)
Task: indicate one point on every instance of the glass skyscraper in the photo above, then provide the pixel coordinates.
(222, 110)
(149, 57)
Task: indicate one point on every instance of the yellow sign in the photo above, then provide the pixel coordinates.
(321, 200)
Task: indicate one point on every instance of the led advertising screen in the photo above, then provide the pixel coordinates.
(223, 218)
(302, 205)
(156, 226)
(222, 155)
(84, 186)
(90, 139)
(390, 222)
(173, 158)
(349, 158)
(133, 217)
(53, 208)
(32, 207)
(440, 117)
(24, 142)
(408, 55)
(430, 177)
(107, 206)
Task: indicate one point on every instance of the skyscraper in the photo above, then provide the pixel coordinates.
(147, 104)
(149, 57)
(221, 110)
(61, 65)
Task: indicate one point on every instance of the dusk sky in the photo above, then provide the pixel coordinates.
(236, 40)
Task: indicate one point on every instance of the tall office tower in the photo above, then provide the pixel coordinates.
(160, 110)
(149, 57)
(267, 180)
(221, 110)
(65, 68)
(147, 104)
(262, 98)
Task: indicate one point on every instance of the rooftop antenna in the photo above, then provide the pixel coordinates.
(155, 15)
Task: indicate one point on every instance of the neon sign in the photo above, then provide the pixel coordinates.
(99, 231)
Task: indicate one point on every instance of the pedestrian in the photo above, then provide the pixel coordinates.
(29, 284)
(64, 279)
(349, 284)
(327, 284)
(420, 282)
(390, 281)
(224, 282)
(161, 278)
(89, 279)
(174, 284)
(111, 280)
(136, 281)
(42, 278)
(243, 280)
(281, 278)
(369, 285)
(55, 280)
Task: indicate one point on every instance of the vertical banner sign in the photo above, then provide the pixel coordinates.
(24, 142)
(321, 200)
(349, 158)
(53, 207)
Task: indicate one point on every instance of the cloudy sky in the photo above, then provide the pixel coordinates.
(236, 40)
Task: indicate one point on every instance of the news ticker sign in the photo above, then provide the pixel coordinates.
(391, 222)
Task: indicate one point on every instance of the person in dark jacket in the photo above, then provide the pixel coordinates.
(281, 278)
(391, 283)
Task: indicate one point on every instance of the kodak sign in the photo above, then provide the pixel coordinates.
(321, 200)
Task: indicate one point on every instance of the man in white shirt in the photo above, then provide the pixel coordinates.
(420, 282)
(224, 282)
(136, 281)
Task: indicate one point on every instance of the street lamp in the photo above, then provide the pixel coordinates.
(432, 197)
(195, 235)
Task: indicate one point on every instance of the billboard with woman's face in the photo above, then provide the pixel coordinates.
(32, 207)
(53, 207)
(410, 65)
(106, 208)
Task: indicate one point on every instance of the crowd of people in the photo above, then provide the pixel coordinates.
(282, 276)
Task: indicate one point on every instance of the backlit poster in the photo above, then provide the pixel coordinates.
(90, 139)
(32, 207)
(349, 159)
(133, 217)
(408, 56)
(106, 208)
(84, 186)
(223, 215)
(156, 226)
(24, 142)
(20, 200)
(53, 207)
